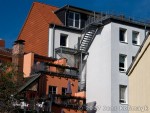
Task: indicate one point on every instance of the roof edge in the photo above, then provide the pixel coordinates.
(74, 7)
(25, 21)
(132, 65)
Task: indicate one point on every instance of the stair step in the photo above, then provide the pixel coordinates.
(89, 34)
(83, 47)
(87, 38)
(84, 41)
(85, 44)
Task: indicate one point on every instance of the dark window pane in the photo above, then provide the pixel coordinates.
(77, 16)
(122, 93)
(64, 91)
(63, 40)
(122, 35)
(121, 65)
(77, 23)
(71, 15)
(52, 89)
(70, 22)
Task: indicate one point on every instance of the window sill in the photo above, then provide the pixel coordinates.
(123, 103)
(74, 27)
(122, 71)
(136, 44)
(123, 42)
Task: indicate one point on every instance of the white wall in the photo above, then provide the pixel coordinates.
(118, 78)
(98, 85)
(103, 75)
(72, 38)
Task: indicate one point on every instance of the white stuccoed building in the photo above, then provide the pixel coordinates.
(108, 49)
(110, 54)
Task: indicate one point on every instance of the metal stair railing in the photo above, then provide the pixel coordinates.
(87, 39)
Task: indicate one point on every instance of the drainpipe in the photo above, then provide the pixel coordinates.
(80, 72)
(83, 72)
(54, 41)
(51, 42)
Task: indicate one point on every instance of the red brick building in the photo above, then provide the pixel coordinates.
(35, 30)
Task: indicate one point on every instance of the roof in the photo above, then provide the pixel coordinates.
(139, 54)
(30, 81)
(5, 51)
(47, 11)
(78, 9)
(128, 21)
(44, 57)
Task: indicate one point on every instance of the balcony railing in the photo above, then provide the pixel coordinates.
(54, 69)
(69, 101)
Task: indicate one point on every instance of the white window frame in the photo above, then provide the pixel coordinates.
(53, 90)
(125, 63)
(135, 33)
(125, 35)
(125, 99)
(74, 13)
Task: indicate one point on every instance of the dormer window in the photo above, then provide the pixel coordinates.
(74, 20)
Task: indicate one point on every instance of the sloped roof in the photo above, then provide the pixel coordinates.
(5, 51)
(29, 81)
(47, 11)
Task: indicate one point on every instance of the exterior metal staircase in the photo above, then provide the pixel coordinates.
(88, 37)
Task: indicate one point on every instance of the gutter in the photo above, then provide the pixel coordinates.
(54, 41)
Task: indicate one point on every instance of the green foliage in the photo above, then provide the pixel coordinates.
(8, 85)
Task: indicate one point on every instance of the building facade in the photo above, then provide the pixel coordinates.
(102, 46)
(107, 63)
(139, 80)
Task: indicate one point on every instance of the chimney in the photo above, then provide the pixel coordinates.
(2, 43)
(17, 56)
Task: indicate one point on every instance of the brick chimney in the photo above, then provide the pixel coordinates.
(2, 43)
(17, 56)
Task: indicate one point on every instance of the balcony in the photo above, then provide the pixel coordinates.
(71, 102)
(54, 69)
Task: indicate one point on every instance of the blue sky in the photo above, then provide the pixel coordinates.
(13, 12)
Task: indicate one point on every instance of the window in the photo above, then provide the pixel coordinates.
(74, 20)
(133, 57)
(123, 93)
(122, 35)
(135, 38)
(122, 63)
(63, 40)
(52, 89)
(64, 91)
